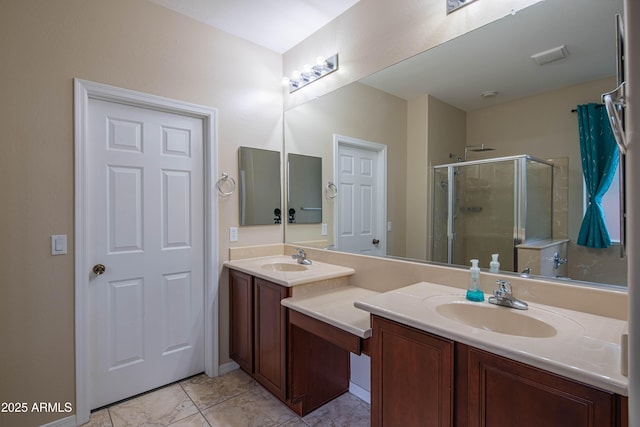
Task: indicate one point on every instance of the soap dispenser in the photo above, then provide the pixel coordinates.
(474, 293)
(494, 265)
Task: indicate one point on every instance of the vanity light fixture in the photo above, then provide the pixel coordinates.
(311, 73)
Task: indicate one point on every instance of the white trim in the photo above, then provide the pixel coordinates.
(341, 140)
(225, 368)
(83, 91)
(359, 392)
(62, 422)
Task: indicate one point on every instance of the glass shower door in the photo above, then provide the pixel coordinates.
(484, 221)
(440, 213)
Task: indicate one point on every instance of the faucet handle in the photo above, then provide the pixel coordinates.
(504, 286)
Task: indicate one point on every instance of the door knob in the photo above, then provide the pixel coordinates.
(375, 241)
(99, 269)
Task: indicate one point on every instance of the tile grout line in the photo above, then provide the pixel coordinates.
(194, 403)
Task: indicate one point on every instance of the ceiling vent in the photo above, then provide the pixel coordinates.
(550, 55)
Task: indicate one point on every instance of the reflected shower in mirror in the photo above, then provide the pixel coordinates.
(430, 106)
(259, 186)
(304, 189)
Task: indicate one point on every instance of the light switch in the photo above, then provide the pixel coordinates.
(233, 234)
(324, 229)
(59, 244)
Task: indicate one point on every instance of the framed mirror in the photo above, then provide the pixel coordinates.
(480, 88)
(259, 186)
(304, 189)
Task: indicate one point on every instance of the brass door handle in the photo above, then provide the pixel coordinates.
(99, 269)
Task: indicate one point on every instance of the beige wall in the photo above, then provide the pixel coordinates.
(127, 43)
(355, 111)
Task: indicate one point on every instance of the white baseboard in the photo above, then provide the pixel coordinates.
(360, 392)
(62, 422)
(227, 367)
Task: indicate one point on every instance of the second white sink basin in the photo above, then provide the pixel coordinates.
(284, 266)
(497, 319)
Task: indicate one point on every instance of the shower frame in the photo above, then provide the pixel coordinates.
(520, 199)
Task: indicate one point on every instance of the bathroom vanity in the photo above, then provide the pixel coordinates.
(301, 360)
(433, 364)
(436, 358)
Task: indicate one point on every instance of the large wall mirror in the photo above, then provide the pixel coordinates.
(259, 186)
(456, 101)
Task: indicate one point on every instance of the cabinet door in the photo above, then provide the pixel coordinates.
(411, 377)
(270, 339)
(241, 319)
(502, 392)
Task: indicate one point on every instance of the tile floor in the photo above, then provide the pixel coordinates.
(233, 399)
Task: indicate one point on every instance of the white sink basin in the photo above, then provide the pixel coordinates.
(284, 266)
(496, 319)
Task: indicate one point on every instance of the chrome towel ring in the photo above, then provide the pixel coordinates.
(331, 191)
(230, 183)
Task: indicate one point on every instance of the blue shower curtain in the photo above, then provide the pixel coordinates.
(599, 154)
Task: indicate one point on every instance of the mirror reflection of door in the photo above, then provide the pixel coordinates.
(360, 214)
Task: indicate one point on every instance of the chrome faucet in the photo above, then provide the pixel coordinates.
(504, 297)
(557, 261)
(301, 257)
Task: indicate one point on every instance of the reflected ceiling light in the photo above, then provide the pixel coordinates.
(550, 55)
(311, 73)
(489, 94)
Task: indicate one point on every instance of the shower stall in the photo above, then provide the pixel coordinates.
(490, 206)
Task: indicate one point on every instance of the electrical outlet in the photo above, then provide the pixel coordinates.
(324, 229)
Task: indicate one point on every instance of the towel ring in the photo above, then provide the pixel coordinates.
(226, 178)
(331, 191)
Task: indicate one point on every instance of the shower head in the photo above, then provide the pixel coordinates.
(476, 148)
(479, 147)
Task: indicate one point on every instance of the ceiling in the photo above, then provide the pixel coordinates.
(275, 24)
(497, 57)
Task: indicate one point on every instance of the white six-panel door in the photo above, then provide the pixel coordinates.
(360, 208)
(146, 226)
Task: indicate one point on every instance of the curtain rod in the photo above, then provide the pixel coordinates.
(597, 106)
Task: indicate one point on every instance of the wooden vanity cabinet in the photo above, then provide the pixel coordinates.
(270, 337)
(503, 392)
(411, 377)
(258, 330)
(241, 319)
(419, 379)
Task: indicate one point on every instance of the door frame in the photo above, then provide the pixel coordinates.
(381, 150)
(83, 91)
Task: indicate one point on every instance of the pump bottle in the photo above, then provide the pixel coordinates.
(494, 265)
(474, 293)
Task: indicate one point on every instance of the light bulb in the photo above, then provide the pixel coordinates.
(320, 60)
(296, 74)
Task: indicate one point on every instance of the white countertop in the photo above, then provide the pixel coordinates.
(585, 348)
(336, 307)
(314, 272)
